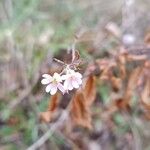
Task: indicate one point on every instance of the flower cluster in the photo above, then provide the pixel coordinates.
(64, 82)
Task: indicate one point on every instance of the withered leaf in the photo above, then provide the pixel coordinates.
(132, 83)
(53, 102)
(122, 104)
(79, 112)
(145, 95)
(89, 91)
(121, 60)
(124, 101)
(52, 107)
(116, 83)
(81, 102)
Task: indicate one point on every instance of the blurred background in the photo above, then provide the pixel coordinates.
(32, 32)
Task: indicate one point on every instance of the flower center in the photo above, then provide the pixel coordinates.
(55, 81)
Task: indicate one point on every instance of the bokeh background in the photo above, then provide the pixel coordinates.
(32, 32)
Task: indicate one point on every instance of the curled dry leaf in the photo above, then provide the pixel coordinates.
(89, 91)
(123, 103)
(131, 86)
(116, 83)
(81, 102)
(145, 95)
(53, 103)
(121, 65)
(52, 107)
(79, 112)
(105, 67)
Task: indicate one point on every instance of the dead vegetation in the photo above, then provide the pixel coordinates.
(110, 111)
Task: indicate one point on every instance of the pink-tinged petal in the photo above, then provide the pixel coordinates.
(61, 88)
(79, 81)
(53, 90)
(47, 76)
(48, 88)
(45, 81)
(78, 75)
(68, 85)
(64, 77)
(75, 84)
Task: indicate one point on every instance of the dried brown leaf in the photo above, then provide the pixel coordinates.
(132, 84)
(81, 102)
(124, 101)
(122, 104)
(116, 83)
(79, 112)
(89, 91)
(53, 102)
(145, 95)
(52, 107)
(121, 65)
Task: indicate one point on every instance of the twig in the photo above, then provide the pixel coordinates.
(59, 61)
(140, 51)
(73, 49)
(50, 132)
(64, 116)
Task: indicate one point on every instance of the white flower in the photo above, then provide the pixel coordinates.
(72, 79)
(54, 83)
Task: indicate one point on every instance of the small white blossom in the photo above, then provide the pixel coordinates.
(53, 83)
(72, 79)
